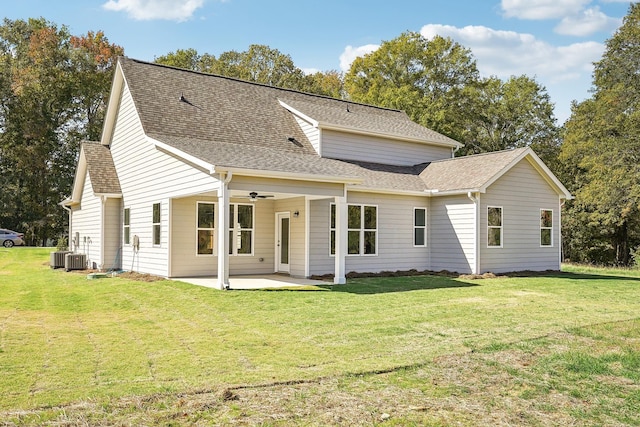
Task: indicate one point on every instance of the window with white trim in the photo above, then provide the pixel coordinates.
(362, 229)
(205, 228)
(127, 226)
(241, 228)
(494, 227)
(419, 227)
(156, 224)
(546, 227)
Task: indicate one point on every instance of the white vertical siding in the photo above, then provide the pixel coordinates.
(394, 239)
(349, 146)
(149, 176)
(312, 133)
(452, 233)
(521, 248)
(86, 220)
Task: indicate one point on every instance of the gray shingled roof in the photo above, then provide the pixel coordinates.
(102, 171)
(469, 172)
(236, 124)
(221, 109)
(374, 176)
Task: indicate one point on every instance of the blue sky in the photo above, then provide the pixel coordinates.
(553, 41)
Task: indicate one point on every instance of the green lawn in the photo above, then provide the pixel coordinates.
(560, 348)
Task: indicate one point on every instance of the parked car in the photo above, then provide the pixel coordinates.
(10, 238)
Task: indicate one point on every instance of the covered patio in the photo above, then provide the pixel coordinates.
(249, 282)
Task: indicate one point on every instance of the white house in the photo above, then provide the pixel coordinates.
(202, 175)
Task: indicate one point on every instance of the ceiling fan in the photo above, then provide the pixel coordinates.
(253, 196)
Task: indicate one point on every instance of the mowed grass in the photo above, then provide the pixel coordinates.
(560, 348)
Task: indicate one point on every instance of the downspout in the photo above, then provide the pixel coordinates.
(103, 200)
(68, 209)
(562, 202)
(454, 150)
(476, 235)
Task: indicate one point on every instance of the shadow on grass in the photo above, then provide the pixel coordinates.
(571, 275)
(380, 285)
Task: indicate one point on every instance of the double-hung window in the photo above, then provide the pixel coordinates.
(494, 227)
(546, 227)
(419, 227)
(205, 228)
(127, 226)
(241, 227)
(362, 229)
(156, 224)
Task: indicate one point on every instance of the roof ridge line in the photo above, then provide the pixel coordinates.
(171, 67)
(506, 150)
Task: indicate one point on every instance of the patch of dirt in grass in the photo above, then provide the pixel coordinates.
(141, 277)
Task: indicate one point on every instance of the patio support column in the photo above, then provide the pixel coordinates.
(341, 240)
(223, 232)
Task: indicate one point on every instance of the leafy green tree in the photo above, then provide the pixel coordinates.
(601, 155)
(508, 114)
(260, 64)
(425, 78)
(329, 83)
(189, 59)
(49, 100)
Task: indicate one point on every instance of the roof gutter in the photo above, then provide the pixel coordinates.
(462, 191)
(289, 175)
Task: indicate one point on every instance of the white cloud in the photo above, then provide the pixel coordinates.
(145, 10)
(588, 22)
(542, 9)
(350, 53)
(507, 53)
(310, 71)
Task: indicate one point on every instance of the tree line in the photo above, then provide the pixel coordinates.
(54, 87)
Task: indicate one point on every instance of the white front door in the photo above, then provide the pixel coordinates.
(282, 242)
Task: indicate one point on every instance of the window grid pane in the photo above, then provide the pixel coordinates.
(546, 227)
(420, 217)
(419, 227)
(205, 242)
(156, 224)
(495, 236)
(205, 215)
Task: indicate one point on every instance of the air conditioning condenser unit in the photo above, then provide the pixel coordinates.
(75, 262)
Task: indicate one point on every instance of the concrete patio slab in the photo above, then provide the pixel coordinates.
(255, 282)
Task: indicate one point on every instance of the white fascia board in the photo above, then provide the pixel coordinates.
(182, 155)
(109, 195)
(461, 191)
(298, 113)
(113, 106)
(289, 175)
(387, 191)
(78, 181)
(349, 129)
(68, 202)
